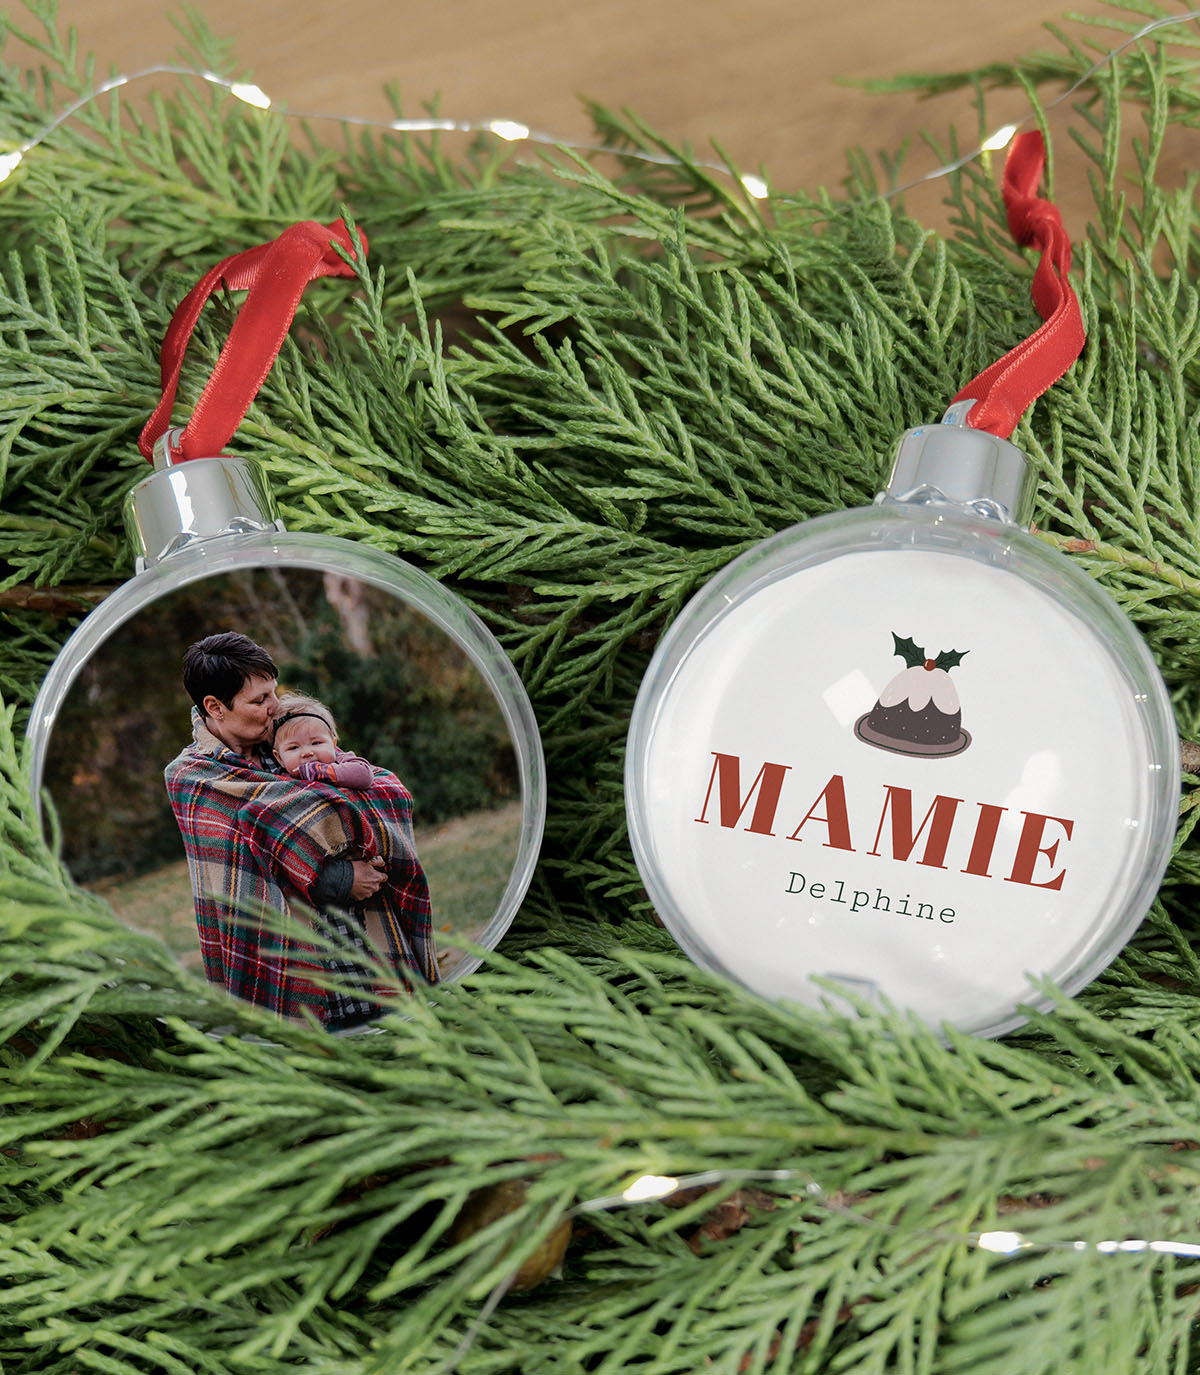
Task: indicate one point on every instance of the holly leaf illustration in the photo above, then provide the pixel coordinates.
(908, 651)
(950, 658)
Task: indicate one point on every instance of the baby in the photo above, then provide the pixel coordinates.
(305, 744)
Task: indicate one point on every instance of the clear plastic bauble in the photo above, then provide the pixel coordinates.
(426, 680)
(906, 752)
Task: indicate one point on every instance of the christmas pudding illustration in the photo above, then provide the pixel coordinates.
(918, 712)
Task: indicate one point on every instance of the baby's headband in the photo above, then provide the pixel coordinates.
(294, 715)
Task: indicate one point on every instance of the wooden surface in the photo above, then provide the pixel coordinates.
(761, 77)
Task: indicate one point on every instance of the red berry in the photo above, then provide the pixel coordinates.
(930, 664)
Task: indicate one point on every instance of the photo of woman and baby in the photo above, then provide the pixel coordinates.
(274, 815)
(341, 801)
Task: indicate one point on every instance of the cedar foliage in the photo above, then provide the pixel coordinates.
(572, 396)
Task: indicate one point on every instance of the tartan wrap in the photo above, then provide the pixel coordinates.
(257, 839)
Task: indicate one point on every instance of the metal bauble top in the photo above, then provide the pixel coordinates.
(182, 503)
(951, 463)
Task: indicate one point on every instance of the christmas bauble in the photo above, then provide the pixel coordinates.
(908, 752)
(423, 686)
(296, 760)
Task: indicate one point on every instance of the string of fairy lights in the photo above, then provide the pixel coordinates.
(650, 1188)
(755, 187)
(647, 1189)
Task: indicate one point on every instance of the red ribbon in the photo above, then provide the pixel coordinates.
(1003, 392)
(275, 274)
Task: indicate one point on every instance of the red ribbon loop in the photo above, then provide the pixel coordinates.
(1012, 384)
(275, 275)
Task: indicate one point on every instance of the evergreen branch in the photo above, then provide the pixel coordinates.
(1156, 572)
(574, 397)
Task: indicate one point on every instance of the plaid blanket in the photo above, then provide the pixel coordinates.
(257, 839)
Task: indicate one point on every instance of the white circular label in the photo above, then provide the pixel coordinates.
(907, 771)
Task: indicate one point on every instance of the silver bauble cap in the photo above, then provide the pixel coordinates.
(953, 464)
(182, 503)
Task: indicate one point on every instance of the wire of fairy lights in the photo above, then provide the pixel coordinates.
(651, 1188)
(516, 131)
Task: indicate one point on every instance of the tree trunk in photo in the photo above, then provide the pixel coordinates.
(345, 595)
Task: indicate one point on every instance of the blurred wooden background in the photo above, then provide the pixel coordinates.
(764, 78)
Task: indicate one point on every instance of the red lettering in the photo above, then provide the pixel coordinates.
(1030, 846)
(939, 818)
(986, 829)
(768, 783)
(836, 817)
